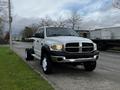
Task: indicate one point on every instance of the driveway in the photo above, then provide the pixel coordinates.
(105, 77)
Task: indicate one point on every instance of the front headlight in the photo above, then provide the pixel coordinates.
(95, 46)
(56, 47)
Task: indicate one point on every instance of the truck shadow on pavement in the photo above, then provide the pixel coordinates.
(71, 70)
(65, 69)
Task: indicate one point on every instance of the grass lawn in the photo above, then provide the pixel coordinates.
(17, 75)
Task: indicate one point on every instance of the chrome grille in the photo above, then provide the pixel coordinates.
(76, 47)
(87, 47)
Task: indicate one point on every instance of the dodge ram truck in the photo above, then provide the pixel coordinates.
(62, 45)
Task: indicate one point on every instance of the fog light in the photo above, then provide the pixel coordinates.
(96, 57)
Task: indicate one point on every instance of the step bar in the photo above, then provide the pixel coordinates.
(37, 57)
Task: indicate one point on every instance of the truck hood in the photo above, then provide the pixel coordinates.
(68, 39)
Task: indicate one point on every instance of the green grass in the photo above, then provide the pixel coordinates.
(15, 74)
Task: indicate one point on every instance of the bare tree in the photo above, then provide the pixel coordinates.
(34, 27)
(60, 22)
(7, 36)
(27, 32)
(30, 30)
(47, 21)
(3, 14)
(1, 26)
(3, 9)
(74, 19)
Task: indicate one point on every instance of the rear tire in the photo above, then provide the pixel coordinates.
(28, 53)
(46, 64)
(90, 66)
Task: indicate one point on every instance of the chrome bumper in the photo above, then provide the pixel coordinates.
(62, 59)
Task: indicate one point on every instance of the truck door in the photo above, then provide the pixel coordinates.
(38, 42)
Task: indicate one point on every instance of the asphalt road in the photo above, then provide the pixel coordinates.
(105, 77)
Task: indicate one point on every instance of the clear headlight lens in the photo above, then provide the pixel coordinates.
(57, 47)
(95, 46)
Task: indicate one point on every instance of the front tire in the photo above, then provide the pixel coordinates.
(90, 66)
(46, 65)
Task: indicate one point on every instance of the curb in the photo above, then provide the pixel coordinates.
(38, 72)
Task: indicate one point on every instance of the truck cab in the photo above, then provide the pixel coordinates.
(62, 45)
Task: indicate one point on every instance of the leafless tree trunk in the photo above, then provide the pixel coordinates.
(60, 22)
(3, 14)
(34, 27)
(3, 9)
(74, 19)
(47, 21)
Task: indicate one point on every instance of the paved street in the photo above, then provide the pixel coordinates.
(105, 77)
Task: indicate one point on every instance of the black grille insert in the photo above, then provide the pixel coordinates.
(87, 47)
(72, 47)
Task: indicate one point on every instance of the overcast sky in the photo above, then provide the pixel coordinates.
(94, 13)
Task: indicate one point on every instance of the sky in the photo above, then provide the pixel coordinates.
(94, 13)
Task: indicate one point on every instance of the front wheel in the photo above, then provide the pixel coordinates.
(46, 65)
(90, 66)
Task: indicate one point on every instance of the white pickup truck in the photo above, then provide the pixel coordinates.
(62, 45)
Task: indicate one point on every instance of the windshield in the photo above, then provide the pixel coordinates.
(51, 32)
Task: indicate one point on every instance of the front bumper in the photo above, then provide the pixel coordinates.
(62, 57)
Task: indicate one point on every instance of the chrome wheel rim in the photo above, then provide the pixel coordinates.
(44, 64)
(25, 54)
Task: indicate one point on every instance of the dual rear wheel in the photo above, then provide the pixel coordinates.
(28, 54)
(45, 61)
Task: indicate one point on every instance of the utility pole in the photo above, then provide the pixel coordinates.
(10, 24)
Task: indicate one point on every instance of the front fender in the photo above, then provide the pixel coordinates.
(45, 50)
